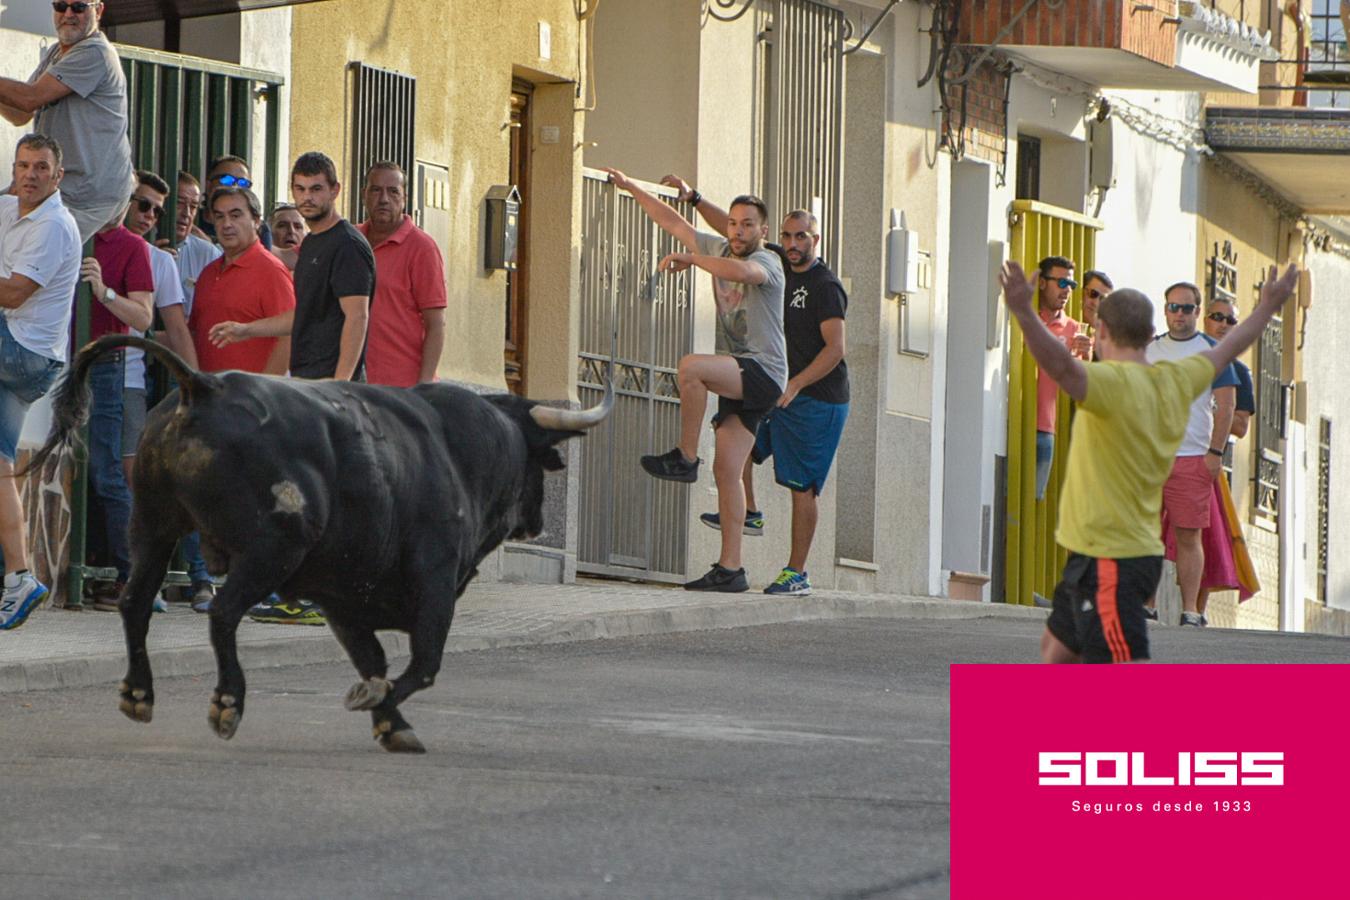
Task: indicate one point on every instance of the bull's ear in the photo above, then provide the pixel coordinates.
(552, 461)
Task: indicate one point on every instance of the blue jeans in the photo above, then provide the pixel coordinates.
(24, 377)
(1045, 455)
(105, 458)
(192, 554)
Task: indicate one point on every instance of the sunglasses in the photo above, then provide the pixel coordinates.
(1062, 282)
(232, 181)
(146, 206)
(1095, 294)
(1222, 317)
(1186, 308)
(78, 8)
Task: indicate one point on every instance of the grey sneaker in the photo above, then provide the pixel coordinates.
(1151, 613)
(671, 466)
(730, 581)
(1193, 619)
(754, 522)
(18, 601)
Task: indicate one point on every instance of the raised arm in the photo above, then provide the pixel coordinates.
(714, 215)
(1051, 355)
(662, 213)
(1277, 289)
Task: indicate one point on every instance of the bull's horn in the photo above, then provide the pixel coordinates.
(574, 420)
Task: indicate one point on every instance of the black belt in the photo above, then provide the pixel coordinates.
(113, 357)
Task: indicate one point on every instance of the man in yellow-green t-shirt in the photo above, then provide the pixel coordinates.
(1131, 418)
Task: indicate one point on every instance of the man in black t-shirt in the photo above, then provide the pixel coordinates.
(803, 432)
(334, 281)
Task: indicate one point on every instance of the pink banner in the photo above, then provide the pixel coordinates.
(1150, 780)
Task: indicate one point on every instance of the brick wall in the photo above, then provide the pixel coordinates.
(1107, 24)
(985, 118)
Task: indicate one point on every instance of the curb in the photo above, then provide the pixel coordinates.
(109, 668)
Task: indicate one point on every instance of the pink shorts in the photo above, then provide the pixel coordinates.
(1187, 493)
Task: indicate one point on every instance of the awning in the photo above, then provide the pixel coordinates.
(1303, 153)
(127, 12)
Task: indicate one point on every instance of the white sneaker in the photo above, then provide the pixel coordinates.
(18, 601)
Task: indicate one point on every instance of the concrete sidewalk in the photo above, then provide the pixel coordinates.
(58, 648)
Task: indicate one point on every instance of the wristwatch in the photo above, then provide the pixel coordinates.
(109, 295)
(1218, 453)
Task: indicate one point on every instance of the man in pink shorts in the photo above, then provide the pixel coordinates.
(1186, 494)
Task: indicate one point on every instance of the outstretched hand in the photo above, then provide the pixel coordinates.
(1017, 290)
(619, 180)
(679, 184)
(1279, 288)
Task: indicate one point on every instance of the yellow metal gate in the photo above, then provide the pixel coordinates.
(1034, 560)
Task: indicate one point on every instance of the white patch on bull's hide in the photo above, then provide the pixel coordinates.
(289, 498)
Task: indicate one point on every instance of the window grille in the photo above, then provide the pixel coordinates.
(1323, 505)
(1269, 422)
(803, 67)
(384, 116)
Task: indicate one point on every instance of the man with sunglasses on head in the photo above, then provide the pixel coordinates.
(1186, 494)
(1054, 284)
(232, 172)
(79, 98)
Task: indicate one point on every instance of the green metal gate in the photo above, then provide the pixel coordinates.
(183, 112)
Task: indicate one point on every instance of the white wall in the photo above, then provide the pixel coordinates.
(1326, 367)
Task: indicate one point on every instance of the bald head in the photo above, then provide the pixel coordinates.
(1128, 317)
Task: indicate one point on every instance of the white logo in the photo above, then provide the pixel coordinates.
(799, 298)
(1087, 606)
(1198, 769)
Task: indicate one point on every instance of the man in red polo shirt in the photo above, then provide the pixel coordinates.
(123, 285)
(407, 315)
(246, 284)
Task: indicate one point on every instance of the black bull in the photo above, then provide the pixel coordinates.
(376, 503)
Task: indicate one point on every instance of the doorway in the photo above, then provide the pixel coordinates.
(517, 279)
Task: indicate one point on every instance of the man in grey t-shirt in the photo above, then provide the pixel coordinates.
(746, 276)
(79, 97)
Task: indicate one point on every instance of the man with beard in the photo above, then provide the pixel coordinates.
(407, 325)
(78, 95)
(1054, 285)
(334, 283)
(748, 383)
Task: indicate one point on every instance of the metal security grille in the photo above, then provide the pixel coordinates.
(1033, 560)
(1328, 61)
(1269, 423)
(184, 111)
(630, 523)
(384, 118)
(1323, 505)
(803, 71)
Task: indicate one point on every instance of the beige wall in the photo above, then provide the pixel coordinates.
(464, 55)
(1229, 211)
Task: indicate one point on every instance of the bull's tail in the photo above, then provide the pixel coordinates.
(70, 400)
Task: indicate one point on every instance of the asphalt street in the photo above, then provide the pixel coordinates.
(799, 760)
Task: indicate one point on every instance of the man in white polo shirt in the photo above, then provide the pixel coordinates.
(39, 269)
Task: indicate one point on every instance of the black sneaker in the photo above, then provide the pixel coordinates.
(671, 466)
(1191, 619)
(728, 581)
(754, 522)
(1151, 613)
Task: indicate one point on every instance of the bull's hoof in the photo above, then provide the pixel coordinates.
(402, 742)
(368, 694)
(222, 715)
(137, 705)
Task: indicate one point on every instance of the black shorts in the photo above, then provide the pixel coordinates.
(759, 393)
(1099, 607)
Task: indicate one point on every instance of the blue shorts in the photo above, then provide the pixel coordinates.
(802, 438)
(24, 377)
